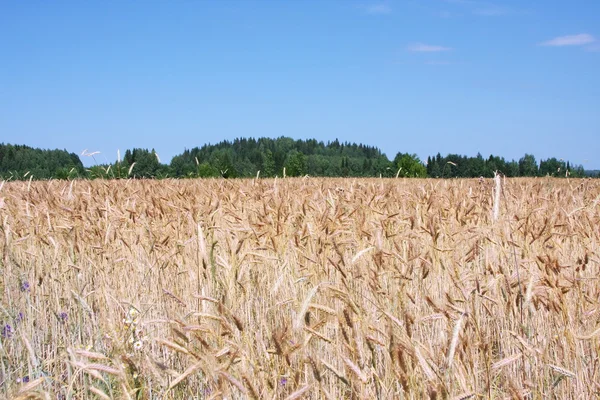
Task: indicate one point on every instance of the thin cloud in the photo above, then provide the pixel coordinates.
(570, 40)
(492, 11)
(378, 9)
(461, 2)
(427, 48)
(481, 8)
(594, 47)
(438, 63)
(448, 14)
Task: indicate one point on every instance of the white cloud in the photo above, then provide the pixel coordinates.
(378, 9)
(427, 48)
(570, 40)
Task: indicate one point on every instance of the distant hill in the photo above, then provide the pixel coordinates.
(244, 157)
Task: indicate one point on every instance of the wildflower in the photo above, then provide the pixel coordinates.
(63, 316)
(24, 379)
(7, 331)
(20, 317)
(283, 381)
(138, 345)
(25, 286)
(130, 319)
(133, 314)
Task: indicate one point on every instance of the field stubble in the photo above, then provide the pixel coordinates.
(300, 288)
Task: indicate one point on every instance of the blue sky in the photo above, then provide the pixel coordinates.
(497, 77)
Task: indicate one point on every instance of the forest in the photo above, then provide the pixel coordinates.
(267, 157)
(19, 162)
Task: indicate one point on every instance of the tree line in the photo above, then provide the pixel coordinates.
(284, 156)
(454, 165)
(23, 162)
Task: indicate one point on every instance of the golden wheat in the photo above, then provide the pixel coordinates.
(300, 288)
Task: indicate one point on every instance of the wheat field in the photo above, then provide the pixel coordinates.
(300, 288)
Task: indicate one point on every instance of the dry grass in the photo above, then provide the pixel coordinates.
(300, 288)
